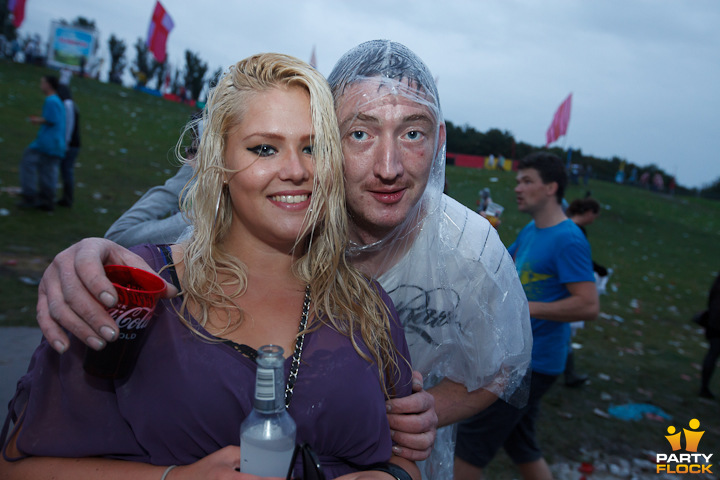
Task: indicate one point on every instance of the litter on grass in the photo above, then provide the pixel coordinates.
(637, 411)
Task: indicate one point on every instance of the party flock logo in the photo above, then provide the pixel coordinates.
(684, 463)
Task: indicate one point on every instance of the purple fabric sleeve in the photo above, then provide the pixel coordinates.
(187, 398)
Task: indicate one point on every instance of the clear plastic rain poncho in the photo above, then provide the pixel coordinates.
(452, 280)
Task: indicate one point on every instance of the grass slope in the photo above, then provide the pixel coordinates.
(127, 141)
(643, 348)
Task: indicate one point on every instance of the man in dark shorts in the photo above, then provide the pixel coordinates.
(553, 260)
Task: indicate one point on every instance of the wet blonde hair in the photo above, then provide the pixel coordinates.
(342, 297)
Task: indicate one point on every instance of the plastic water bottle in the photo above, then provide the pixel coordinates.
(267, 436)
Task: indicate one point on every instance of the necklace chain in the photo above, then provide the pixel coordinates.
(295, 365)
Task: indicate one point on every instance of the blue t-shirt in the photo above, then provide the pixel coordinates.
(50, 139)
(546, 259)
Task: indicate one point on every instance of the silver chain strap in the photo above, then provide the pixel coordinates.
(295, 365)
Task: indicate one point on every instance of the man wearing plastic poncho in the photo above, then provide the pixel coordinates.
(453, 282)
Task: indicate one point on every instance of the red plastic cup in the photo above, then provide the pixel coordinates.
(138, 294)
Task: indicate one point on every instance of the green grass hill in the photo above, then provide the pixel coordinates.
(128, 141)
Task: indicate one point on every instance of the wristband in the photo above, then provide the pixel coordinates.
(167, 470)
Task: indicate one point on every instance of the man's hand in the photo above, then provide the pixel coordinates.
(74, 293)
(413, 422)
(453, 402)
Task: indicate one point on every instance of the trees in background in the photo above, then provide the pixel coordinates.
(7, 28)
(467, 139)
(117, 59)
(215, 78)
(146, 67)
(175, 84)
(143, 68)
(195, 70)
(82, 22)
(712, 189)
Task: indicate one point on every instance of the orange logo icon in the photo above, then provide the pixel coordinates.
(692, 437)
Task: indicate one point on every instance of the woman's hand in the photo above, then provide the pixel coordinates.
(221, 465)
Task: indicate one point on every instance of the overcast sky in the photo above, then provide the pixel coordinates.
(644, 74)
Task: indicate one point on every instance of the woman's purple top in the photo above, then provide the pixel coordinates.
(186, 398)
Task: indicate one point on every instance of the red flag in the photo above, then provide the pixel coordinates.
(560, 121)
(313, 59)
(160, 26)
(17, 8)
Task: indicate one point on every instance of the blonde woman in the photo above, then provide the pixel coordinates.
(268, 207)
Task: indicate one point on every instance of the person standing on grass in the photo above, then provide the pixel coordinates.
(39, 164)
(72, 137)
(584, 212)
(553, 261)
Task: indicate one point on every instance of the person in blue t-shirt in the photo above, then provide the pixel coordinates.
(553, 260)
(40, 161)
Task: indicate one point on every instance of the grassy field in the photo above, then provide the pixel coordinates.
(127, 141)
(643, 349)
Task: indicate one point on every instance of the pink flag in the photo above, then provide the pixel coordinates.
(313, 59)
(560, 121)
(160, 26)
(17, 8)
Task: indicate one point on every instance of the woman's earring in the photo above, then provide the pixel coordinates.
(217, 205)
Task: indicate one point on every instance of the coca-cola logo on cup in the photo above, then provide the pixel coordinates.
(135, 318)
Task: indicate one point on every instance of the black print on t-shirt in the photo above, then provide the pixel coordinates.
(421, 311)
